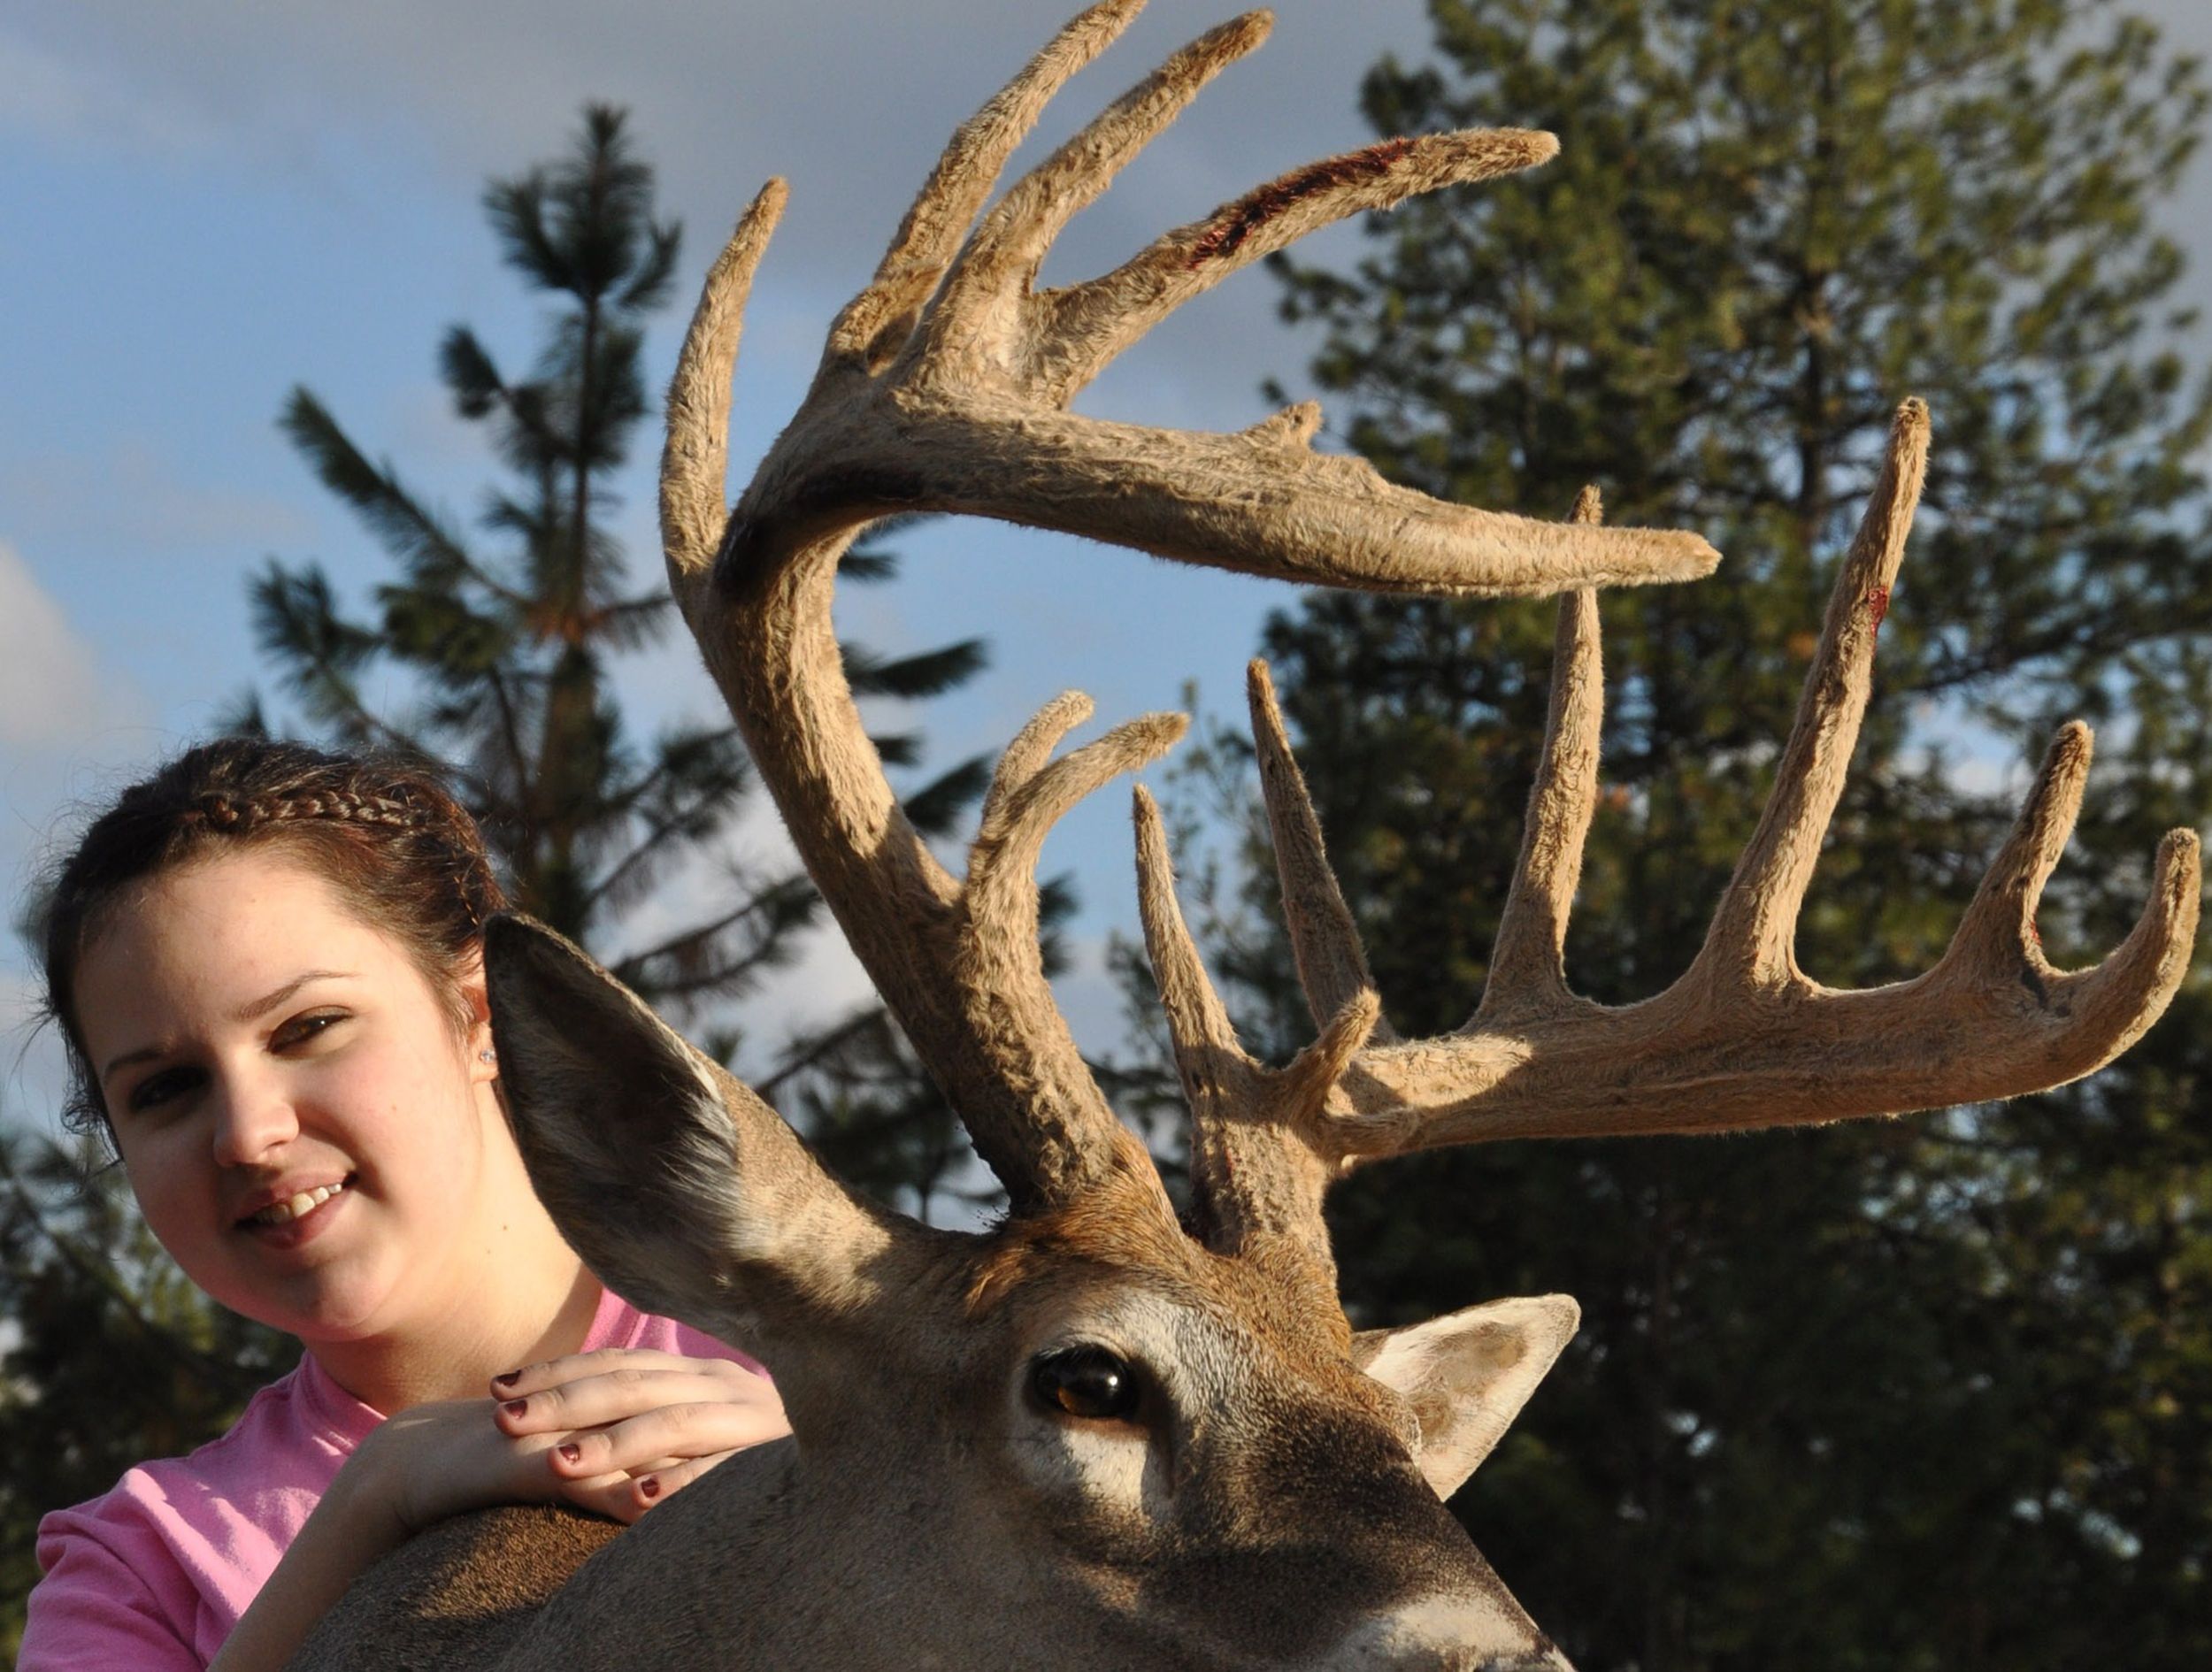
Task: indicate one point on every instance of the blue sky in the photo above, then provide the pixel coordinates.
(203, 203)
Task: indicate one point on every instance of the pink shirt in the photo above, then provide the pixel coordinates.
(154, 1575)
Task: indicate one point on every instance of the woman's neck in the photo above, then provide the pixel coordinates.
(456, 1360)
(520, 1296)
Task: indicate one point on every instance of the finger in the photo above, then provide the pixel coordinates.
(626, 1389)
(639, 1443)
(662, 1484)
(573, 1367)
(576, 1367)
(616, 1496)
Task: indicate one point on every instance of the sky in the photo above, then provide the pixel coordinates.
(203, 203)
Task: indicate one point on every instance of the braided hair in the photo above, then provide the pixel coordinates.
(380, 830)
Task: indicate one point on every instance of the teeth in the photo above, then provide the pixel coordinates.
(284, 1212)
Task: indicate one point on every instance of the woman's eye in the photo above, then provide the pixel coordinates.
(1089, 1381)
(164, 1087)
(301, 1028)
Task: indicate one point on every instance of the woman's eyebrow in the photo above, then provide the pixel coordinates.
(267, 1002)
(248, 1012)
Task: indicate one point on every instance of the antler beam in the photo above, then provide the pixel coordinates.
(1745, 1039)
(944, 388)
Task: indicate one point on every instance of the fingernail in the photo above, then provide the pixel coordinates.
(650, 1487)
(571, 1453)
(516, 1408)
(504, 1377)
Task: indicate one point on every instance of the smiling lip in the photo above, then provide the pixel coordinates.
(288, 1220)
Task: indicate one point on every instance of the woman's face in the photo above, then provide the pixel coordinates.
(307, 1132)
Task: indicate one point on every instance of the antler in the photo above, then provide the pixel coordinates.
(1744, 1039)
(943, 386)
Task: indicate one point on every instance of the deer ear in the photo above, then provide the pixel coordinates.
(1467, 1374)
(680, 1188)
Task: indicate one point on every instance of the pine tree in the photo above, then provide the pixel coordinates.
(1903, 1395)
(511, 650)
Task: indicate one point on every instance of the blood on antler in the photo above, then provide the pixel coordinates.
(944, 386)
(1744, 1039)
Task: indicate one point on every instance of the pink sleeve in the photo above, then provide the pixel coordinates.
(102, 1604)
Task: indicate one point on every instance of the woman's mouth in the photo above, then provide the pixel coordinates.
(295, 1206)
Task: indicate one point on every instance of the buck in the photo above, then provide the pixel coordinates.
(1097, 1435)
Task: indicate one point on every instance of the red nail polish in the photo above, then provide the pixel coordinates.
(516, 1408)
(504, 1377)
(571, 1453)
(650, 1487)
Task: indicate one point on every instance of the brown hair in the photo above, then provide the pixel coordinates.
(381, 829)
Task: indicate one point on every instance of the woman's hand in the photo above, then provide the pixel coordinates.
(624, 1428)
(614, 1432)
(643, 1425)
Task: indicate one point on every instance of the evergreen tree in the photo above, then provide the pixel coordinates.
(511, 649)
(1919, 1395)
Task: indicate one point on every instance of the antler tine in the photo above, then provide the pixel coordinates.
(1263, 1152)
(875, 323)
(1997, 948)
(1004, 254)
(695, 456)
(2124, 994)
(1088, 325)
(1528, 977)
(1032, 747)
(1325, 940)
(1751, 942)
(1060, 1135)
(1208, 1056)
(2000, 925)
(1011, 840)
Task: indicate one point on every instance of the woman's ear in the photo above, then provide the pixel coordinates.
(476, 1007)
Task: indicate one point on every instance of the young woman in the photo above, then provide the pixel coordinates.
(266, 964)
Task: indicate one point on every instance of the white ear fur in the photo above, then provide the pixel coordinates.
(1467, 1374)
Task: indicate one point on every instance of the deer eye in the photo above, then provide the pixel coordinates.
(1085, 1381)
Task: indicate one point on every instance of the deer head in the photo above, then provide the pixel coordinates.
(1098, 1435)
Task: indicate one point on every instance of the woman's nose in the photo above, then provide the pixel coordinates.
(253, 1118)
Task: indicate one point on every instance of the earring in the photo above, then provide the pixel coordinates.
(487, 1056)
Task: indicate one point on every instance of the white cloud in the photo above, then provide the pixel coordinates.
(53, 692)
